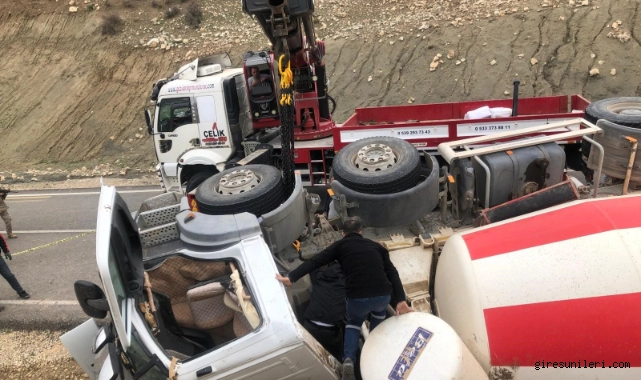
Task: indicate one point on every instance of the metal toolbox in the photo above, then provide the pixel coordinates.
(515, 173)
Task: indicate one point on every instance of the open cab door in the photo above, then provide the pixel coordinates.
(119, 258)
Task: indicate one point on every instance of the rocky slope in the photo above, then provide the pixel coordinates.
(73, 98)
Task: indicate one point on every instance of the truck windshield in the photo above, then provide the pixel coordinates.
(173, 113)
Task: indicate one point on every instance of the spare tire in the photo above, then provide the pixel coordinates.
(378, 165)
(257, 189)
(616, 151)
(623, 111)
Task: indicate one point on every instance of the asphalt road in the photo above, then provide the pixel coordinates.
(56, 246)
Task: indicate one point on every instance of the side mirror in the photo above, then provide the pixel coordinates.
(91, 298)
(150, 128)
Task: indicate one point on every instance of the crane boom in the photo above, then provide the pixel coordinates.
(303, 100)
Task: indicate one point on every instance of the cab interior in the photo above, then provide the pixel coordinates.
(200, 305)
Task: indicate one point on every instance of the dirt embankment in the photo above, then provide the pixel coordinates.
(72, 97)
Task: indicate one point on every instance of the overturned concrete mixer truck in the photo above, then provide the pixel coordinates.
(516, 266)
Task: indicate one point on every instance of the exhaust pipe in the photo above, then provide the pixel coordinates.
(515, 98)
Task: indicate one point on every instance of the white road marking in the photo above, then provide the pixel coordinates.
(33, 198)
(83, 193)
(39, 302)
(50, 231)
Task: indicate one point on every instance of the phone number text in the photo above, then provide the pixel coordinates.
(417, 132)
(493, 128)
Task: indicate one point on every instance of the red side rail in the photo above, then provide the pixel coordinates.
(427, 125)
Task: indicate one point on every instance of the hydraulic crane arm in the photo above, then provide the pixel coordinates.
(287, 24)
(303, 87)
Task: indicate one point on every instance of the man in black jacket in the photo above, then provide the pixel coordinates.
(6, 272)
(326, 310)
(371, 283)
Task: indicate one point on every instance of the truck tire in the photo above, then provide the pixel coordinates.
(256, 189)
(397, 209)
(623, 111)
(197, 179)
(617, 151)
(378, 165)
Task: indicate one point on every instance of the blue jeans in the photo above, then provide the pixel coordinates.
(11, 279)
(357, 311)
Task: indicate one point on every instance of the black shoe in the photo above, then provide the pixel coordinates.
(1, 308)
(348, 370)
(24, 295)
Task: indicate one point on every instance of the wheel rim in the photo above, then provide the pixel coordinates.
(375, 158)
(626, 108)
(238, 181)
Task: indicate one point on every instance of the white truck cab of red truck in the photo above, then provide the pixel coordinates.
(198, 121)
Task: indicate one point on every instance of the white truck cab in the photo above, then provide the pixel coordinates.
(208, 319)
(199, 119)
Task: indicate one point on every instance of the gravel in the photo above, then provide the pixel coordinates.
(36, 355)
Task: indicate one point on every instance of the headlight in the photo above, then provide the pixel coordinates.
(314, 78)
(273, 112)
(256, 114)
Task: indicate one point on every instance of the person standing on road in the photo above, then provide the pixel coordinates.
(6, 272)
(326, 311)
(371, 282)
(4, 214)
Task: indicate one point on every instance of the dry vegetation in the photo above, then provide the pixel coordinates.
(193, 15)
(111, 24)
(172, 12)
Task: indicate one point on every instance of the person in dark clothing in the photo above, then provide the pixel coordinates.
(6, 272)
(371, 283)
(326, 310)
